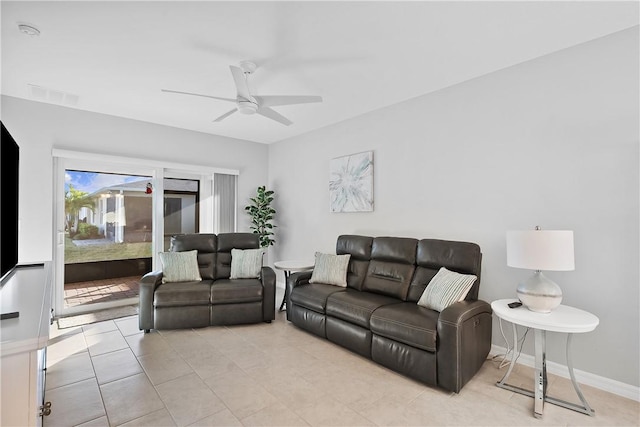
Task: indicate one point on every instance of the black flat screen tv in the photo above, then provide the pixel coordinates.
(9, 165)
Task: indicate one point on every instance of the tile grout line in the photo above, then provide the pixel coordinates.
(148, 379)
(95, 376)
(188, 364)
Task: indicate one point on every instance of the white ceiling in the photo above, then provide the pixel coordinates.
(359, 56)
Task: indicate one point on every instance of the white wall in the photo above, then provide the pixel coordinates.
(550, 142)
(37, 127)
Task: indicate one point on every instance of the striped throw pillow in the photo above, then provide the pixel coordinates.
(446, 288)
(330, 269)
(180, 266)
(246, 263)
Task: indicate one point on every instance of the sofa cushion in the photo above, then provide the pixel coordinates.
(391, 267)
(356, 307)
(388, 278)
(359, 247)
(246, 263)
(446, 288)
(180, 266)
(407, 323)
(330, 269)
(201, 242)
(462, 257)
(228, 241)
(177, 294)
(205, 244)
(313, 296)
(231, 291)
(421, 279)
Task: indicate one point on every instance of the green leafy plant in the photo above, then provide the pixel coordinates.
(262, 214)
(74, 200)
(87, 231)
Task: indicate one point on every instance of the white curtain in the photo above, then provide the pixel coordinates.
(224, 190)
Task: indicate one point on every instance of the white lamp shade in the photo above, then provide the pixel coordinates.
(549, 250)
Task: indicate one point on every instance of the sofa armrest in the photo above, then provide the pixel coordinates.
(147, 286)
(295, 279)
(268, 278)
(299, 278)
(464, 341)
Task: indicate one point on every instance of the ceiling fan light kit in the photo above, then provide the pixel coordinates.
(249, 104)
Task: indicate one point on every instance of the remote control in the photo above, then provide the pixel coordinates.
(514, 304)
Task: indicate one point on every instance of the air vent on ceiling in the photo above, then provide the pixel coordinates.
(28, 29)
(43, 94)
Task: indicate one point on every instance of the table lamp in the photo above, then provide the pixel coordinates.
(538, 250)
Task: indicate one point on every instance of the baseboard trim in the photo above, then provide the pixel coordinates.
(611, 386)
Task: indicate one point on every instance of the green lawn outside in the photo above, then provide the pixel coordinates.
(75, 254)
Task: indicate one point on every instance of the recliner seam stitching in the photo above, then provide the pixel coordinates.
(349, 305)
(403, 323)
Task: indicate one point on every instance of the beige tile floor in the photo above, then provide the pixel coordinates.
(110, 373)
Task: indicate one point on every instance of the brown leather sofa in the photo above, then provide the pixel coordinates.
(376, 315)
(217, 299)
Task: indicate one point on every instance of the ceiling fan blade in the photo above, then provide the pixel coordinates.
(274, 115)
(225, 115)
(241, 82)
(275, 100)
(198, 94)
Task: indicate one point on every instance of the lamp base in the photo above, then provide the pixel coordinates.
(539, 293)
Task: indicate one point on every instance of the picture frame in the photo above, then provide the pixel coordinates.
(351, 183)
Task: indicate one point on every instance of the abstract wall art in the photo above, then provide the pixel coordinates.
(351, 183)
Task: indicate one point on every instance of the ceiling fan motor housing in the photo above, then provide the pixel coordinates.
(247, 107)
(248, 67)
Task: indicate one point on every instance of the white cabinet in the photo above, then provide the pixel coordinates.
(23, 344)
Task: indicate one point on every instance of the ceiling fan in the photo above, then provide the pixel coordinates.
(251, 104)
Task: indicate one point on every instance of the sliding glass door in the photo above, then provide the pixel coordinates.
(181, 208)
(107, 235)
(114, 214)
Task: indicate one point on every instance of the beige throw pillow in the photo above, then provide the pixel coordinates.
(180, 266)
(446, 288)
(330, 269)
(246, 263)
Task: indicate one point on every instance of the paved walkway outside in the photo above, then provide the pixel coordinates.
(100, 291)
(92, 242)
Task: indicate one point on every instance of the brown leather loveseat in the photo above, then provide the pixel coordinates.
(377, 316)
(216, 299)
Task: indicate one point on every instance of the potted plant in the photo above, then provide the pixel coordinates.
(261, 214)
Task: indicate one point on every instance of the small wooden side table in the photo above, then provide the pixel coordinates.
(563, 319)
(289, 267)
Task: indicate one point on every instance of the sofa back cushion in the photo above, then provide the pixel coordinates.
(359, 247)
(461, 257)
(205, 244)
(228, 241)
(391, 267)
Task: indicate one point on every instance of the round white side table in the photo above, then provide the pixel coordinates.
(563, 319)
(288, 267)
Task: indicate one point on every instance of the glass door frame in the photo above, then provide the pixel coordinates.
(90, 165)
(157, 170)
